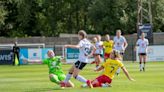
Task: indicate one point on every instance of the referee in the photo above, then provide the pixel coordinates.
(16, 50)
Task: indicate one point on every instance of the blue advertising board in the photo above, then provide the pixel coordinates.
(6, 57)
(33, 54)
(73, 54)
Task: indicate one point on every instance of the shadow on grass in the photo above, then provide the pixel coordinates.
(57, 89)
(44, 89)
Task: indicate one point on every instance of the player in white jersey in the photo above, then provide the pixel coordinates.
(99, 50)
(86, 50)
(142, 44)
(120, 44)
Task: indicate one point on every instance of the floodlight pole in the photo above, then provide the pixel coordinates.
(144, 13)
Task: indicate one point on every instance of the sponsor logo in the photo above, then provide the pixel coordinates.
(6, 56)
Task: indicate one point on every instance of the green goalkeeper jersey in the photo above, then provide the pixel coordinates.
(54, 65)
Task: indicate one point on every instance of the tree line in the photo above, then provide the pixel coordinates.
(24, 18)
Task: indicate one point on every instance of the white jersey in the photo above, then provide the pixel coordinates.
(99, 48)
(119, 43)
(85, 49)
(143, 44)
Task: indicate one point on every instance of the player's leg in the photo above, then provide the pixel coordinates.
(144, 61)
(140, 63)
(18, 58)
(78, 67)
(54, 78)
(96, 83)
(98, 61)
(81, 78)
(119, 69)
(95, 59)
(62, 78)
(14, 59)
(69, 75)
(77, 76)
(102, 81)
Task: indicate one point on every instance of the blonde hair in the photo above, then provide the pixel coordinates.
(117, 54)
(118, 30)
(98, 37)
(106, 35)
(82, 33)
(94, 39)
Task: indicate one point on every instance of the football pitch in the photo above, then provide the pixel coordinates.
(34, 78)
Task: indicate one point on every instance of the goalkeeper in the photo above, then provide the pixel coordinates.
(56, 74)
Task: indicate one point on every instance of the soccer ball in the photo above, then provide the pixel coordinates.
(67, 84)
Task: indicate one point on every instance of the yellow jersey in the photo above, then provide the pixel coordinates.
(108, 46)
(111, 66)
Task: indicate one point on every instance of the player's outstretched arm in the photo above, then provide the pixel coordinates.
(72, 46)
(127, 74)
(63, 60)
(32, 61)
(99, 69)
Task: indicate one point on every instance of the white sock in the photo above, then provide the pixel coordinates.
(140, 66)
(81, 78)
(119, 69)
(68, 77)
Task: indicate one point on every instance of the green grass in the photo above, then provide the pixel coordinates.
(34, 78)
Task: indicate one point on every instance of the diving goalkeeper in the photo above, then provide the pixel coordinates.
(56, 74)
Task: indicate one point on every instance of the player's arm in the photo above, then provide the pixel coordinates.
(63, 60)
(72, 46)
(112, 43)
(125, 44)
(135, 48)
(93, 51)
(103, 45)
(32, 61)
(147, 43)
(127, 74)
(99, 69)
(137, 44)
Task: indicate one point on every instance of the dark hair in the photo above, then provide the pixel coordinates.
(82, 33)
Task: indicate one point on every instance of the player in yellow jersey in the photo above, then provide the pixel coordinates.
(108, 46)
(110, 67)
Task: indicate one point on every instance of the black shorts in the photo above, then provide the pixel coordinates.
(80, 65)
(142, 54)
